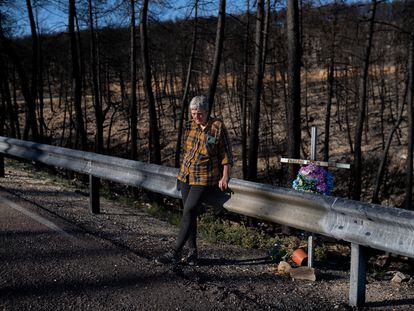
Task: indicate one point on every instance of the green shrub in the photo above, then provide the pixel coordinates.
(219, 231)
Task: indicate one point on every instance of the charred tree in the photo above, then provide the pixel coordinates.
(384, 159)
(357, 167)
(410, 136)
(133, 97)
(293, 106)
(8, 49)
(6, 97)
(95, 86)
(42, 124)
(184, 102)
(330, 83)
(33, 88)
(245, 92)
(2, 126)
(15, 105)
(76, 78)
(255, 114)
(154, 142)
(221, 22)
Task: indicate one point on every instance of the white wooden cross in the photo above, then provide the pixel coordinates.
(313, 156)
(319, 163)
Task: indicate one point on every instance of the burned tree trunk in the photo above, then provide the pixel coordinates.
(294, 64)
(184, 102)
(133, 97)
(96, 94)
(245, 89)
(42, 124)
(2, 125)
(217, 54)
(330, 81)
(255, 115)
(357, 168)
(328, 110)
(31, 122)
(8, 49)
(6, 97)
(15, 105)
(384, 158)
(76, 78)
(154, 142)
(410, 136)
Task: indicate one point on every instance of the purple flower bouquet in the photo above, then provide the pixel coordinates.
(315, 179)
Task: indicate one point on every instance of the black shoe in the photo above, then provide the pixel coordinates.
(171, 257)
(192, 258)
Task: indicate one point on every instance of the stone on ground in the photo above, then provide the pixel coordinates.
(400, 277)
(303, 273)
(283, 268)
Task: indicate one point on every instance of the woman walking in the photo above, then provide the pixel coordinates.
(206, 162)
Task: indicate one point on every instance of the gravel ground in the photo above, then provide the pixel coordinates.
(108, 263)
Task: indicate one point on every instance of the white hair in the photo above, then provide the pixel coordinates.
(199, 103)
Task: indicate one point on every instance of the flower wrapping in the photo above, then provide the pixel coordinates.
(315, 179)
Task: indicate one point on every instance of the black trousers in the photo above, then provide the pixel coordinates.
(192, 197)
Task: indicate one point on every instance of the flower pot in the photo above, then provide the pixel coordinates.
(300, 257)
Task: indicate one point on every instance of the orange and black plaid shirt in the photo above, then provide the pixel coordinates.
(204, 152)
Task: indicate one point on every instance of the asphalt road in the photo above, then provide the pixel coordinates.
(47, 264)
(55, 255)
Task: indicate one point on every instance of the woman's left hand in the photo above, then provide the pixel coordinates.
(223, 183)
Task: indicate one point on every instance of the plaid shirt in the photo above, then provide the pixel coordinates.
(204, 151)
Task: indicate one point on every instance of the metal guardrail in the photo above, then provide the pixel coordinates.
(362, 224)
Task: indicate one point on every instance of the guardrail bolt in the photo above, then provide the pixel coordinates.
(94, 183)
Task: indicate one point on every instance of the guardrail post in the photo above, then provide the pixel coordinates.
(314, 137)
(94, 183)
(310, 250)
(2, 166)
(357, 276)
